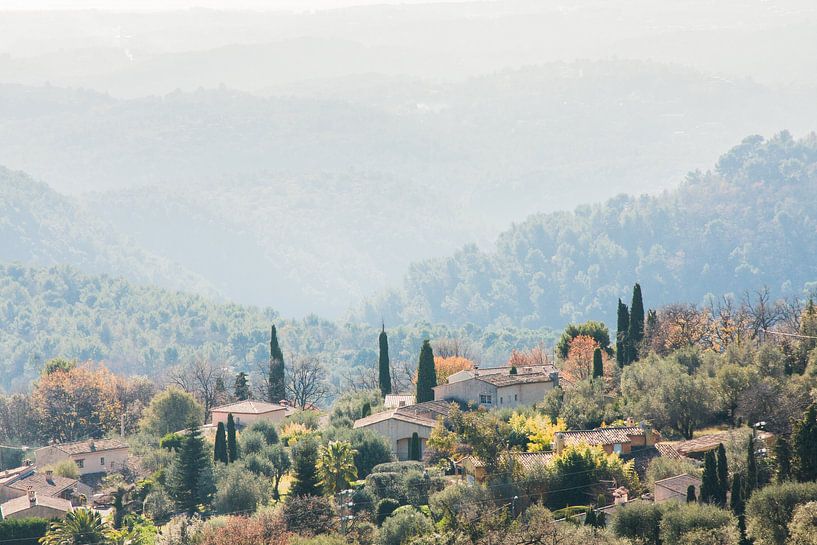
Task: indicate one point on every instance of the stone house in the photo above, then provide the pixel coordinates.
(398, 425)
(473, 470)
(45, 485)
(498, 388)
(91, 456)
(31, 505)
(247, 412)
(620, 439)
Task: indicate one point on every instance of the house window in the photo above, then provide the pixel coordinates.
(501, 400)
(485, 399)
(102, 460)
(80, 463)
(515, 397)
(617, 448)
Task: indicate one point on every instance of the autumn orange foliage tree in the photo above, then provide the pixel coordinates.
(578, 365)
(71, 404)
(534, 357)
(445, 367)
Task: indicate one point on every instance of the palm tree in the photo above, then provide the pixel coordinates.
(80, 527)
(336, 466)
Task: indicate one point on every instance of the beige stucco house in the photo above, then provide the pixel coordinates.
(498, 388)
(675, 488)
(91, 456)
(613, 439)
(44, 484)
(398, 425)
(33, 505)
(249, 411)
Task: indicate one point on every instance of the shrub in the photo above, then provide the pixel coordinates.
(251, 442)
(398, 467)
(711, 536)
(158, 505)
(265, 527)
(803, 523)
(171, 410)
(310, 515)
(266, 429)
(385, 508)
(386, 485)
(682, 518)
(23, 531)
(181, 530)
(639, 522)
(456, 500)
(770, 510)
(309, 419)
(327, 539)
(404, 524)
(239, 490)
(171, 442)
(362, 501)
(417, 487)
(663, 468)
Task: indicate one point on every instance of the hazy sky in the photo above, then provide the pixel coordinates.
(297, 5)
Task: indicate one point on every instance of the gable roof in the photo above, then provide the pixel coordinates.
(528, 460)
(89, 446)
(249, 407)
(422, 414)
(599, 436)
(392, 401)
(679, 483)
(22, 503)
(44, 485)
(500, 380)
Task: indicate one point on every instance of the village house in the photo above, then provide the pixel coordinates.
(32, 505)
(615, 439)
(44, 484)
(698, 447)
(249, 411)
(675, 488)
(91, 456)
(398, 425)
(473, 470)
(499, 388)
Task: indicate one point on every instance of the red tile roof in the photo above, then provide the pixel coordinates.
(250, 407)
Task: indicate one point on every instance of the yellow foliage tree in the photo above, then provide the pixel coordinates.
(538, 428)
(446, 367)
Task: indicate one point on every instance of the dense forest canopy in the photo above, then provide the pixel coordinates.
(134, 329)
(749, 222)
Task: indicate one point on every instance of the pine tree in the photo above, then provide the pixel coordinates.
(232, 445)
(598, 363)
(191, 482)
(305, 457)
(805, 446)
(691, 494)
(651, 327)
(383, 372)
(277, 387)
(635, 330)
(622, 327)
(241, 388)
(414, 447)
(750, 483)
(782, 455)
(723, 475)
(220, 448)
(426, 374)
(709, 482)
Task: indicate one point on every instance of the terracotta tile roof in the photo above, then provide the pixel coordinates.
(668, 451)
(91, 445)
(423, 414)
(711, 441)
(600, 436)
(528, 460)
(393, 401)
(679, 483)
(500, 380)
(12, 474)
(22, 503)
(44, 485)
(250, 407)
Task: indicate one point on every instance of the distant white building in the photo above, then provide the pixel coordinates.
(249, 411)
(498, 388)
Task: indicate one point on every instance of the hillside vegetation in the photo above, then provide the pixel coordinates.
(749, 222)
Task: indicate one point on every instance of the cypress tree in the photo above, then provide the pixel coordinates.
(691, 494)
(738, 505)
(750, 483)
(232, 445)
(305, 457)
(805, 446)
(414, 447)
(513, 370)
(426, 374)
(383, 372)
(709, 482)
(220, 448)
(365, 410)
(782, 455)
(598, 363)
(277, 388)
(723, 475)
(191, 482)
(241, 388)
(622, 327)
(635, 330)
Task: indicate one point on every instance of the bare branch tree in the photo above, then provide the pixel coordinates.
(763, 313)
(203, 379)
(306, 382)
(455, 347)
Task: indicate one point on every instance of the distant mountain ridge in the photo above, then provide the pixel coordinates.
(752, 221)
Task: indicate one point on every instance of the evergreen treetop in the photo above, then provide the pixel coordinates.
(383, 371)
(190, 481)
(426, 374)
(232, 444)
(305, 457)
(220, 447)
(276, 384)
(635, 329)
(622, 337)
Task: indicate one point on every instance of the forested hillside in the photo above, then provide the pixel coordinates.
(59, 312)
(749, 222)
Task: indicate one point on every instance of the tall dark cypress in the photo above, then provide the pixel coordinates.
(750, 484)
(220, 448)
(782, 456)
(241, 387)
(805, 446)
(622, 327)
(710, 488)
(635, 330)
(232, 445)
(414, 447)
(598, 363)
(691, 498)
(723, 475)
(738, 505)
(426, 374)
(383, 372)
(277, 387)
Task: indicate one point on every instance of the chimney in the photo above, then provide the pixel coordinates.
(27, 462)
(630, 422)
(92, 445)
(32, 496)
(283, 403)
(559, 442)
(49, 476)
